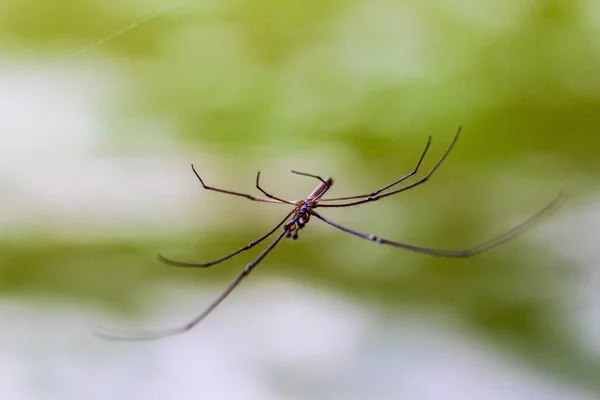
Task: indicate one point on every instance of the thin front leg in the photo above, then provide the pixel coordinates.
(268, 194)
(511, 233)
(227, 257)
(248, 196)
(151, 335)
(405, 177)
(311, 176)
(412, 185)
(319, 190)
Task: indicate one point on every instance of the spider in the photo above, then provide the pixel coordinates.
(299, 217)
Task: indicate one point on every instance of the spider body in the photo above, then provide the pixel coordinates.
(299, 216)
(303, 208)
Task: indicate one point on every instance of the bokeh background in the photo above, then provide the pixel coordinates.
(104, 104)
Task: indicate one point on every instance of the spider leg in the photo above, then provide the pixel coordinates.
(211, 263)
(151, 335)
(511, 233)
(268, 194)
(402, 189)
(405, 177)
(321, 189)
(248, 196)
(311, 176)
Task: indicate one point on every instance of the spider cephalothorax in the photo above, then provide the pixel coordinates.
(300, 215)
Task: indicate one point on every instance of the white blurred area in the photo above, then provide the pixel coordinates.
(270, 340)
(57, 169)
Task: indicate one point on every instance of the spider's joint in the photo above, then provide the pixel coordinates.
(375, 239)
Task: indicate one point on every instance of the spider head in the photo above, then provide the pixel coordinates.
(299, 220)
(302, 213)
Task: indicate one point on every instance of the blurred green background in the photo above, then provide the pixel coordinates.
(349, 89)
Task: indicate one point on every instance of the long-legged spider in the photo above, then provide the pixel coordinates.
(305, 209)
